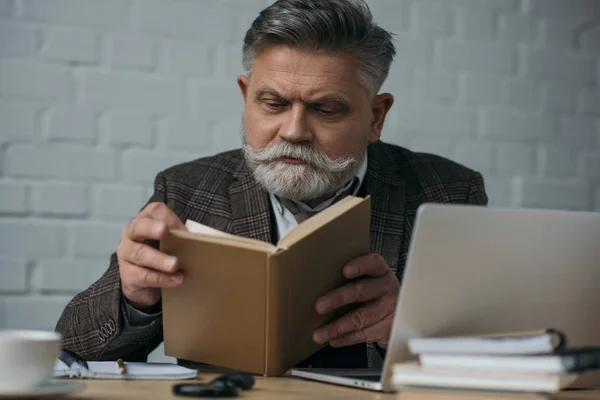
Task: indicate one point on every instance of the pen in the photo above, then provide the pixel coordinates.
(122, 369)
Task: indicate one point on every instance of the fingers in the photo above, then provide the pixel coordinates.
(144, 255)
(356, 320)
(378, 333)
(372, 265)
(160, 212)
(141, 277)
(145, 228)
(354, 292)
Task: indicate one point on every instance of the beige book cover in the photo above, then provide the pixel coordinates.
(250, 305)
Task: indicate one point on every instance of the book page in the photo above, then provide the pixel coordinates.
(310, 225)
(203, 232)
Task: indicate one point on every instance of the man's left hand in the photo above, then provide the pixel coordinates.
(377, 287)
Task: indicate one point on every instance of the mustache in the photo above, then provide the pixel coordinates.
(303, 152)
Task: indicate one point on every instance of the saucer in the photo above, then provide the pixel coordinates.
(51, 388)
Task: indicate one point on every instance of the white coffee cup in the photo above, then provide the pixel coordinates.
(27, 358)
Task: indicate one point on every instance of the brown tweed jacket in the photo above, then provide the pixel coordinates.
(221, 192)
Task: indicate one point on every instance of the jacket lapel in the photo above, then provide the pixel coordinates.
(388, 191)
(250, 209)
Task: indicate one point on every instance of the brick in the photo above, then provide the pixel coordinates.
(198, 19)
(24, 79)
(557, 34)
(226, 135)
(72, 123)
(13, 198)
(515, 159)
(508, 6)
(60, 161)
(434, 85)
(482, 89)
(563, 66)
(6, 7)
(132, 51)
(17, 41)
(131, 90)
(17, 120)
(187, 133)
(590, 40)
(563, 194)
(516, 125)
(69, 44)
(579, 132)
(477, 56)
(589, 164)
(519, 92)
(66, 276)
(131, 127)
(498, 191)
(588, 101)
(430, 19)
(13, 275)
(476, 23)
(396, 21)
(141, 166)
(559, 98)
(94, 239)
(475, 155)
(33, 312)
(31, 239)
(438, 120)
(229, 61)
(516, 28)
(109, 13)
(60, 199)
(118, 201)
(555, 161)
(204, 97)
(187, 58)
(562, 10)
(414, 50)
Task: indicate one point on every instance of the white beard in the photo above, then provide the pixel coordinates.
(317, 177)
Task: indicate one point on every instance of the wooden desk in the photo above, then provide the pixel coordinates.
(276, 388)
(265, 388)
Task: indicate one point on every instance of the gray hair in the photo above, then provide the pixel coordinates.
(335, 26)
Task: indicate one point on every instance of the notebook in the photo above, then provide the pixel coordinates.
(135, 370)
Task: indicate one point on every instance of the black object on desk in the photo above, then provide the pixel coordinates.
(73, 361)
(224, 386)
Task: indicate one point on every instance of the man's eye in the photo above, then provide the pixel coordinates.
(274, 105)
(327, 111)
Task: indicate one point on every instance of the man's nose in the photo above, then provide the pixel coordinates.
(296, 128)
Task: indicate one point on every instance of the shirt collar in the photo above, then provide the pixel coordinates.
(360, 174)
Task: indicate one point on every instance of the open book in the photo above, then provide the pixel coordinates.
(249, 305)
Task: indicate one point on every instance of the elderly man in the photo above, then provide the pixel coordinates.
(312, 124)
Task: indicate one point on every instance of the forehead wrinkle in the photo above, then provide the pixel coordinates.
(311, 95)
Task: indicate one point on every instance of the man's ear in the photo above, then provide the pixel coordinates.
(380, 107)
(243, 83)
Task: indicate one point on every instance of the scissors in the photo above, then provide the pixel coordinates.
(224, 386)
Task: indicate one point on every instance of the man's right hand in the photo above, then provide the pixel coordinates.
(144, 269)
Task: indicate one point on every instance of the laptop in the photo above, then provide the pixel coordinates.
(476, 270)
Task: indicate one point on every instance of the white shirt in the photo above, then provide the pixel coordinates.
(284, 217)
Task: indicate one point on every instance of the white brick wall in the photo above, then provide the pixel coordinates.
(97, 96)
